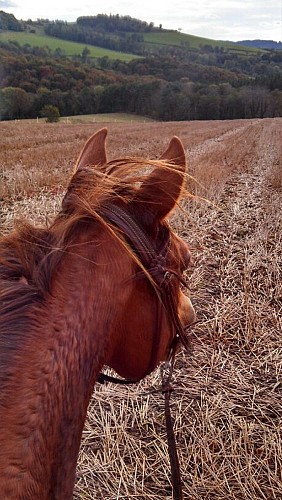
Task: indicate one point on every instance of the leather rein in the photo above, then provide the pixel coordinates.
(154, 261)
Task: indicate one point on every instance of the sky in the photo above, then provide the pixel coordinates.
(217, 19)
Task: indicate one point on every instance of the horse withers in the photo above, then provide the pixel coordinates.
(86, 291)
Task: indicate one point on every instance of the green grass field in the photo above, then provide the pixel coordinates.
(192, 41)
(107, 117)
(99, 118)
(68, 48)
(172, 38)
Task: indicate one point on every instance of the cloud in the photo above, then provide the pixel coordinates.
(233, 20)
(7, 4)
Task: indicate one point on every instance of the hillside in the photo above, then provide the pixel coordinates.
(65, 47)
(151, 42)
(171, 76)
(261, 44)
(126, 33)
(192, 42)
(121, 33)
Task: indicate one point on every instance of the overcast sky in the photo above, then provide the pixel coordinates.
(218, 19)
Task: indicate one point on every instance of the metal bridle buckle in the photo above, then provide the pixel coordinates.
(167, 277)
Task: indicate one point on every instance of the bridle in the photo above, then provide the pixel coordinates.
(153, 258)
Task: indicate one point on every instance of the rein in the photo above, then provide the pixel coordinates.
(154, 261)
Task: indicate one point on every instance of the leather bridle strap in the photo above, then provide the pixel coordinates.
(154, 262)
(166, 373)
(124, 221)
(103, 378)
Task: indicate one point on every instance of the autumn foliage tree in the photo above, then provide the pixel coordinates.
(207, 85)
(51, 113)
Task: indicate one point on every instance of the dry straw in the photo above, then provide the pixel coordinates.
(227, 398)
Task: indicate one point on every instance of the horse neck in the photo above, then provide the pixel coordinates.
(44, 403)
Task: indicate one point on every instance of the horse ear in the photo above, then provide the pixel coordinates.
(94, 151)
(162, 188)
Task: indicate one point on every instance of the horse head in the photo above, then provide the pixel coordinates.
(136, 217)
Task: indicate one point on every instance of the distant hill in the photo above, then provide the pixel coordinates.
(261, 44)
(126, 34)
(153, 72)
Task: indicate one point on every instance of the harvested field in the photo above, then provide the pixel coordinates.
(227, 399)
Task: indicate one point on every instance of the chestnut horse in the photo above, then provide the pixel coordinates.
(76, 296)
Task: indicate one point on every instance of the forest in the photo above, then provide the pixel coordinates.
(9, 22)
(168, 83)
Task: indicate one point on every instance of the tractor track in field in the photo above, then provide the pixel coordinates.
(244, 220)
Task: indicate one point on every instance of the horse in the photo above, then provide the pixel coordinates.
(80, 293)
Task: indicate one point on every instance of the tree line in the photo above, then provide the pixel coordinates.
(116, 23)
(163, 87)
(9, 22)
(115, 32)
(122, 42)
